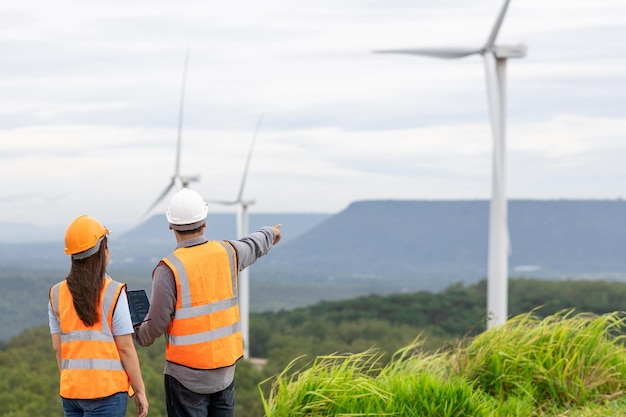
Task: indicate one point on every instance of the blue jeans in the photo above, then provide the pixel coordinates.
(184, 403)
(111, 406)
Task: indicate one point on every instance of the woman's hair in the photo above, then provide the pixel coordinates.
(85, 282)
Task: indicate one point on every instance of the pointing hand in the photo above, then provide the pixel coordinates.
(277, 232)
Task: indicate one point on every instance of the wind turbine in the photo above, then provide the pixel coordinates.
(178, 181)
(242, 231)
(495, 57)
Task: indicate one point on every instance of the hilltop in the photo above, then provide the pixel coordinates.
(431, 242)
(549, 238)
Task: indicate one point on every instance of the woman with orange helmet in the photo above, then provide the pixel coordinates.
(92, 331)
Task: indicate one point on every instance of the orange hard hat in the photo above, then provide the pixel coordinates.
(82, 234)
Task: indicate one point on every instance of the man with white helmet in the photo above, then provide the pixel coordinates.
(195, 304)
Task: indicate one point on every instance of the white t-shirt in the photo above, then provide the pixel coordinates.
(122, 323)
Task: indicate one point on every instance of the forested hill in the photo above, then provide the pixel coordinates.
(30, 377)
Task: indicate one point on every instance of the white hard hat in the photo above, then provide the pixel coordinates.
(187, 210)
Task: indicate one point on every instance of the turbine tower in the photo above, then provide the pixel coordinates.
(242, 231)
(495, 57)
(179, 181)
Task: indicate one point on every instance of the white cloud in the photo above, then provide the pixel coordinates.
(89, 115)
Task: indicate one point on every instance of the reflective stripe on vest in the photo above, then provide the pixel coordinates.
(205, 332)
(97, 364)
(204, 336)
(89, 349)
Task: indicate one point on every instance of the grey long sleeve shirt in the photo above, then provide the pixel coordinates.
(163, 304)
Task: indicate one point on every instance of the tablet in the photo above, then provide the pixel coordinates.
(138, 304)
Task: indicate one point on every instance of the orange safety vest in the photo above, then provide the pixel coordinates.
(205, 332)
(90, 362)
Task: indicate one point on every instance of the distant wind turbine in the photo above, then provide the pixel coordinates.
(242, 231)
(495, 57)
(178, 181)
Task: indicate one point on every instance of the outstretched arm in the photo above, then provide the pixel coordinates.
(255, 245)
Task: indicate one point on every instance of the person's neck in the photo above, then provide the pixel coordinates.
(182, 237)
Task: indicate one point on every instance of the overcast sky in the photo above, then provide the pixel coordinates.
(91, 90)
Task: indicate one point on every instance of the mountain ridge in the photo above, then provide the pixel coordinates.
(550, 238)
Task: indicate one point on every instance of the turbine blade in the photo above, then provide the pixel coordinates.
(245, 171)
(496, 27)
(446, 53)
(180, 114)
(161, 196)
(222, 202)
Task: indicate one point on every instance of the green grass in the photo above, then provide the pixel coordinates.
(563, 365)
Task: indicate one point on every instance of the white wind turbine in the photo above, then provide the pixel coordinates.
(242, 231)
(178, 181)
(495, 57)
